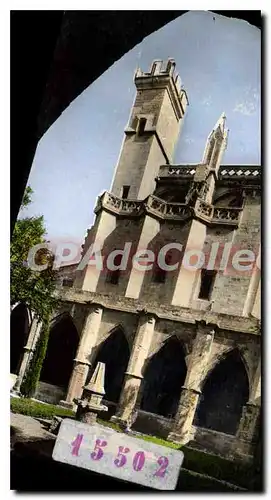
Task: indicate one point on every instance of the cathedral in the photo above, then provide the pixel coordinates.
(172, 304)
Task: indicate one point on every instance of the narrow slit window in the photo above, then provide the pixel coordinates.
(206, 284)
(114, 276)
(125, 192)
(159, 273)
(141, 126)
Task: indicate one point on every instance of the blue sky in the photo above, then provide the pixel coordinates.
(219, 65)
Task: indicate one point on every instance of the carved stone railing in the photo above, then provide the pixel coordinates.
(156, 205)
(217, 215)
(177, 170)
(119, 205)
(227, 215)
(167, 210)
(225, 172)
(204, 210)
(244, 171)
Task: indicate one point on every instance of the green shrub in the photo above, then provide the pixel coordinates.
(35, 409)
(30, 381)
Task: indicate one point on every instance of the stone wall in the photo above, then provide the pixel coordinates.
(155, 425)
(222, 444)
(48, 393)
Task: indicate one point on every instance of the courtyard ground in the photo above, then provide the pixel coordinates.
(200, 472)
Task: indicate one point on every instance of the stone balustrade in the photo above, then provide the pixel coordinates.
(169, 210)
(178, 170)
(227, 215)
(245, 171)
(217, 215)
(225, 172)
(118, 205)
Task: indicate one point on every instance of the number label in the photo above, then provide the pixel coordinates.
(76, 444)
(139, 460)
(121, 459)
(98, 451)
(163, 462)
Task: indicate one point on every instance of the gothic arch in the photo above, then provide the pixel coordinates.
(61, 350)
(225, 391)
(114, 352)
(164, 376)
(20, 321)
(217, 357)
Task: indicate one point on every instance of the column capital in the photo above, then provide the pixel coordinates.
(95, 306)
(190, 389)
(28, 349)
(253, 404)
(79, 362)
(150, 316)
(202, 324)
(133, 375)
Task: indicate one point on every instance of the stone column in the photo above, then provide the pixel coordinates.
(191, 390)
(133, 376)
(250, 419)
(249, 423)
(28, 351)
(81, 363)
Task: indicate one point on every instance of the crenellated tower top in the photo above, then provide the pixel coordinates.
(152, 131)
(163, 74)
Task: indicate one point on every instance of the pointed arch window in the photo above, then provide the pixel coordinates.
(61, 350)
(163, 379)
(114, 353)
(224, 393)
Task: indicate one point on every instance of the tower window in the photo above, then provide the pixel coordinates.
(113, 276)
(207, 283)
(141, 126)
(159, 273)
(125, 192)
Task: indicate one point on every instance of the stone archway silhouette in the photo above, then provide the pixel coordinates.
(19, 329)
(163, 379)
(224, 393)
(115, 353)
(61, 350)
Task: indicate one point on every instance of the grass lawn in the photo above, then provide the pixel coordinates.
(35, 409)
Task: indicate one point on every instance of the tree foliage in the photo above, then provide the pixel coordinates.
(34, 288)
(30, 381)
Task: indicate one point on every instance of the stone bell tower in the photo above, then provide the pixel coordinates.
(150, 138)
(152, 131)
